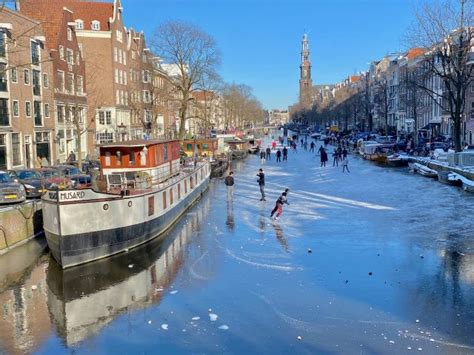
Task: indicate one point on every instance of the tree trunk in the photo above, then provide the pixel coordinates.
(182, 125)
(457, 132)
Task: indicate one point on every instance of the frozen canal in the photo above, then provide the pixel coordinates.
(391, 270)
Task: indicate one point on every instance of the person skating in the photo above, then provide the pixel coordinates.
(279, 205)
(278, 155)
(344, 153)
(269, 153)
(345, 165)
(311, 147)
(262, 157)
(335, 157)
(229, 182)
(284, 199)
(285, 153)
(261, 183)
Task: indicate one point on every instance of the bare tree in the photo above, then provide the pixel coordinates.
(196, 57)
(444, 27)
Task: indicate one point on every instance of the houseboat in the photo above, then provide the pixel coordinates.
(142, 190)
(203, 147)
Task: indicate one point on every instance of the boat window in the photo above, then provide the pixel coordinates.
(171, 196)
(119, 158)
(179, 191)
(151, 205)
(107, 158)
(131, 158)
(164, 200)
(196, 177)
(185, 186)
(165, 152)
(191, 185)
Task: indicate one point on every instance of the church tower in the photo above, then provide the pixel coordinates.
(306, 84)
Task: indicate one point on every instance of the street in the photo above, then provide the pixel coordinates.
(375, 261)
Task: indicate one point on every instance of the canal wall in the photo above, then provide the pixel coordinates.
(467, 172)
(20, 223)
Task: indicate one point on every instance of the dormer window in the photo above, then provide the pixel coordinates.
(95, 25)
(79, 24)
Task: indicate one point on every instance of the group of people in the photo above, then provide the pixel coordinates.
(282, 199)
(267, 155)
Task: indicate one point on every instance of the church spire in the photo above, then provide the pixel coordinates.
(306, 83)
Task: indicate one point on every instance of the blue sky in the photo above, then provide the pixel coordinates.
(260, 40)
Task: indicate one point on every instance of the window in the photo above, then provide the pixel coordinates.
(14, 75)
(79, 25)
(70, 84)
(117, 97)
(131, 158)
(4, 116)
(151, 205)
(16, 149)
(46, 110)
(60, 81)
(28, 109)
(146, 96)
(45, 80)
(60, 113)
(2, 45)
(61, 52)
(101, 117)
(105, 138)
(35, 53)
(3, 78)
(164, 200)
(37, 113)
(120, 55)
(80, 85)
(16, 108)
(70, 56)
(69, 34)
(26, 76)
(95, 25)
(108, 117)
(36, 83)
(116, 76)
(119, 35)
(115, 55)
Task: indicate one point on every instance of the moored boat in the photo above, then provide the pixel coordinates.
(424, 170)
(450, 178)
(142, 191)
(396, 160)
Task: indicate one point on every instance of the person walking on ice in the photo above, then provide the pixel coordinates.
(261, 183)
(345, 164)
(278, 155)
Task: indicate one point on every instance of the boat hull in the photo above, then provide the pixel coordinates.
(124, 224)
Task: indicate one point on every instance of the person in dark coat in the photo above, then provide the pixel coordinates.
(311, 147)
(269, 153)
(285, 153)
(261, 183)
(279, 205)
(324, 156)
(344, 153)
(278, 155)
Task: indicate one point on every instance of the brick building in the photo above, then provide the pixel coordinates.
(27, 129)
(73, 130)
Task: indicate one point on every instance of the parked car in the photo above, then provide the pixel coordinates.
(54, 178)
(33, 182)
(437, 145)
(11, 191)
(77, 178)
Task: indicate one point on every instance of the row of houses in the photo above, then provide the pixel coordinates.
(402, 92)
(73, 76)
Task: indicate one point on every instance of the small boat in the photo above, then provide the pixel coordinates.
(396, 160)
(467, 185)
(424, 170)
(450, 178)
(377, 152)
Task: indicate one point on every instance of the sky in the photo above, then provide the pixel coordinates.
(260, 40)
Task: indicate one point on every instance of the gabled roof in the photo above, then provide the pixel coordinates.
(415, 52)
(89, 11)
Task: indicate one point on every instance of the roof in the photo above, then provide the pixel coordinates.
(89, 11)
(203, 95)
(415, 52)
(354, 78)
(49, 13)
(136, 143)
